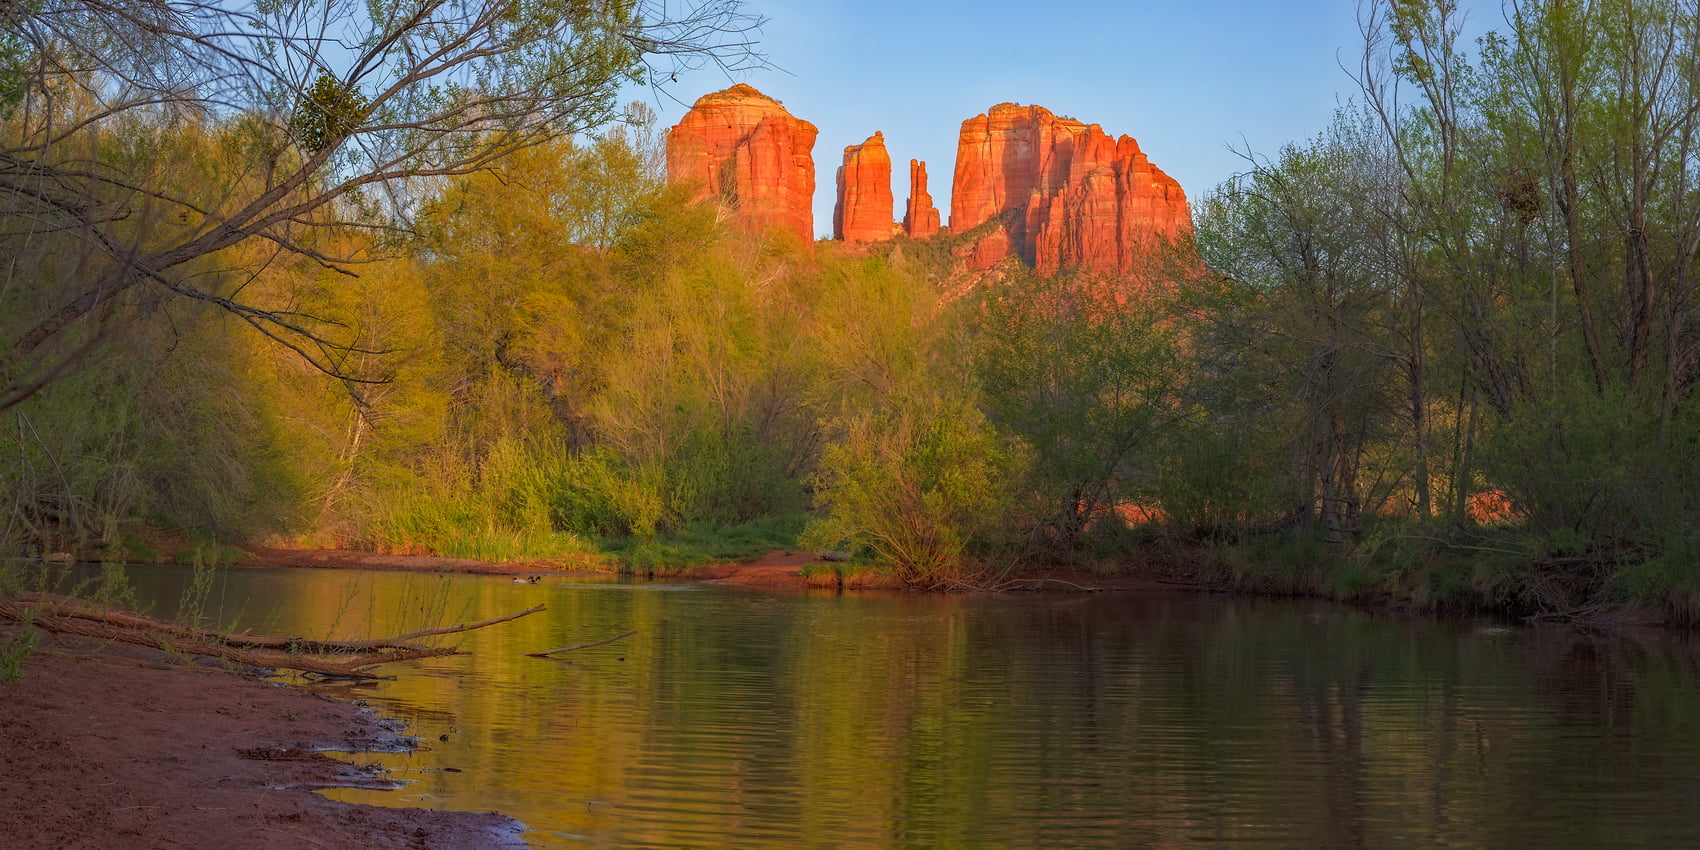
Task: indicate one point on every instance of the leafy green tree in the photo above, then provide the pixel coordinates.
(1550, 187)
(1087, 374)
(925, 484)
(1308, 344)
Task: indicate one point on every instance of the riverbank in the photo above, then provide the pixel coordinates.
(108, 745)
(1470, 584)
(349, 559)
(789, 569)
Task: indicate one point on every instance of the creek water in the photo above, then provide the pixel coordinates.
(745, 718)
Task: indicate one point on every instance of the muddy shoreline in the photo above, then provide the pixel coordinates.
(108, 745)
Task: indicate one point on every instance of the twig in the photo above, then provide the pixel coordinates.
(466, 627)
(580, 646)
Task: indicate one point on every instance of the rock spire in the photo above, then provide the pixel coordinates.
(920, 218)
(1059, 193)
(745, 150)
(863, 213)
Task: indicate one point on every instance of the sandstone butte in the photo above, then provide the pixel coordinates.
(921, 218)
(1067, 196)
(863, 213)
(745, 150)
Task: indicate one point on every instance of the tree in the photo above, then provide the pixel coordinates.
(1086, 377)
(1314, 325)
(330, 112)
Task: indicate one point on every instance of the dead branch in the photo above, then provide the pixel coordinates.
(548, 653)
(68, 615)
(183, 642)
(72, 607)
(468, 626)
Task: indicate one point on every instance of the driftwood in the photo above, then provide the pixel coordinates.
(547, 653)
(344, 659)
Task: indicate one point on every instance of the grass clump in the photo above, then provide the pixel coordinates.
(703, 542)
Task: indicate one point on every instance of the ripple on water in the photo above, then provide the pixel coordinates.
(751, 719)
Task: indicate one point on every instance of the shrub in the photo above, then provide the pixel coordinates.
(927, 487)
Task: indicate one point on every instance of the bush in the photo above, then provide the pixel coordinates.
(927, 487)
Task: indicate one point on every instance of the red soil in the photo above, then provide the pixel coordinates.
(107, 746)
(775, 569)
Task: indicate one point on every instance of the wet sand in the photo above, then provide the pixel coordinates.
(109, 746)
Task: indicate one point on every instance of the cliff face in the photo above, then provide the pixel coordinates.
(863, 213)
(745, 150)
(920, 217)
(1056, 192)
(1064, 194)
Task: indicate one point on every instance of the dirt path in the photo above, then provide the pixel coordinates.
(107, 746)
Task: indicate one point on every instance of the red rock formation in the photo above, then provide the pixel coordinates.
(921, 218)
(744, 149)
(1064, 194)
(863, 213)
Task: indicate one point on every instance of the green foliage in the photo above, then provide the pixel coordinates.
(1219, 476)
(327, 112)
(1667, 580)
(110, 586)
(1588, 468)
(16, 648)
(157, 430)
(1442, 330)
(703, 542)
(1294, 562)
(1300, 342)
(211, 553)
(597, 495)
(506, 508)
(13, 55)
(192, 604)
(879, 329)
(1085, 373)
(925, 484)
(730, 478)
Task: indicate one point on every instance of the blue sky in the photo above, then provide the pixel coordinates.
(1189, 80)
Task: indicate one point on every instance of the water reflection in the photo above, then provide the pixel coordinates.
(745, 718)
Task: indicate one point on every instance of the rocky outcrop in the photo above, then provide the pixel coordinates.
(920, 218)
(746, 151)
(1059, 193)
(863, 213)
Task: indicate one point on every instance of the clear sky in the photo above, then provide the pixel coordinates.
(1189, 79)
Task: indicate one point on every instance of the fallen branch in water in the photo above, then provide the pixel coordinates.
(467, 627)
(79, 617)
(548, 653)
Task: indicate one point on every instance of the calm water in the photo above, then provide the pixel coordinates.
(743, 718)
